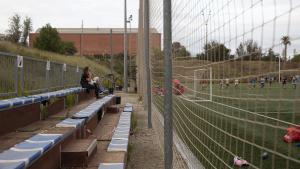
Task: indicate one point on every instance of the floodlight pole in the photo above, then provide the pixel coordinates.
(125, 48)
(128, 42)
(211, 89)
(168, 117)
(111, 53)
(279, 69)
(146, 55)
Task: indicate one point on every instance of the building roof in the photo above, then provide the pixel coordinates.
(96, 30)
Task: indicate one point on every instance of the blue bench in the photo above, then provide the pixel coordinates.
(128, 107)
(111, 166)
(119, 141)
(20, 101)
(18, 158)
(69, 122)
(93, 108)
(24, 154)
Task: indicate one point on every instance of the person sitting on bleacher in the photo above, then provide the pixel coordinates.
(90, 83)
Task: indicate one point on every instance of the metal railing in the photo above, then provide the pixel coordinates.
(22, 76)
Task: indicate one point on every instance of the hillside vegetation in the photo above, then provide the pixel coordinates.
(98, 69)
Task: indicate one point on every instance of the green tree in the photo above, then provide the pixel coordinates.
(214, 51)
(179, 51)
(285, 40)
(27, 28)
(270, 56)
(69, 48)
(49, 40)
(14, 31)
(296, 58)
(249, 50)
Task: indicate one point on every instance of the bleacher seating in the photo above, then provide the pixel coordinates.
(24, 154)
(111, 166)
(119, 141)
(19, 101)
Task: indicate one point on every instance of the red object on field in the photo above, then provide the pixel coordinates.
(292, 135)
(177, 88)
(238, 161)
(158, 91)
(176, 81)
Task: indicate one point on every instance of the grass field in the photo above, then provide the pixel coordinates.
(242, 121)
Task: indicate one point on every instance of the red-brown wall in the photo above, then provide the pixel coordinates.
(96, 44)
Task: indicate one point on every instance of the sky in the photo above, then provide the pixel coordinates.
(69, 13)
(188, 23)
(231, 22)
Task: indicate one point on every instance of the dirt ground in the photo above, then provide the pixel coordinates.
(145, 150)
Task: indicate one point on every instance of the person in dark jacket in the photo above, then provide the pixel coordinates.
(87, 81)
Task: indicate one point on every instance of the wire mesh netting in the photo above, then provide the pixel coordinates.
(34, 76)
(236, 75)
(8, 74)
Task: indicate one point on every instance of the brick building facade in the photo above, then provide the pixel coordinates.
(96, 41)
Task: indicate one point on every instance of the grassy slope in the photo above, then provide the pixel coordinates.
(98, 69)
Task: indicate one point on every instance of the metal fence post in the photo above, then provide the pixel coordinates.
(16, 77)
(62, 76)
(146, 55)
(20, 65)
(168, 125)
(47, 75)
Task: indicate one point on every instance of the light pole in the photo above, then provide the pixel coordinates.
(125, 49)
(206, 30)
(128, 42)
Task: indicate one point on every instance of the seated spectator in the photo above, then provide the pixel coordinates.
(88, 82)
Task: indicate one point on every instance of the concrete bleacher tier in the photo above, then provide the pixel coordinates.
(43, 150)
(21, 111)
(120, 138)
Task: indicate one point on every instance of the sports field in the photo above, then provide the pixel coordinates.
(239, 121)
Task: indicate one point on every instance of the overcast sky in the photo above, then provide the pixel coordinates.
(69, 13)
(188, 23)
(232, 22)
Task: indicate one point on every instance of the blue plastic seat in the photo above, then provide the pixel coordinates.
(118, 145)
(12, 165)
(4, 104)
(40, 138)
(128, 105)
(111, 166)
(41, 97)
(35, 98)
(27, 157)
(120, 136)
(128, 109)
(14, 102)
(71, 123)
(42, 146)
(82, 115)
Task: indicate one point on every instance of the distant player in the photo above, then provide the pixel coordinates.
(262, 82)
(294, 82)
(284, 81)
(227, 82)
(221, 84)
(270, 80)
(236, 83)
(253, 82)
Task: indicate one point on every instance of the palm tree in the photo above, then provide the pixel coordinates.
(285, 40)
